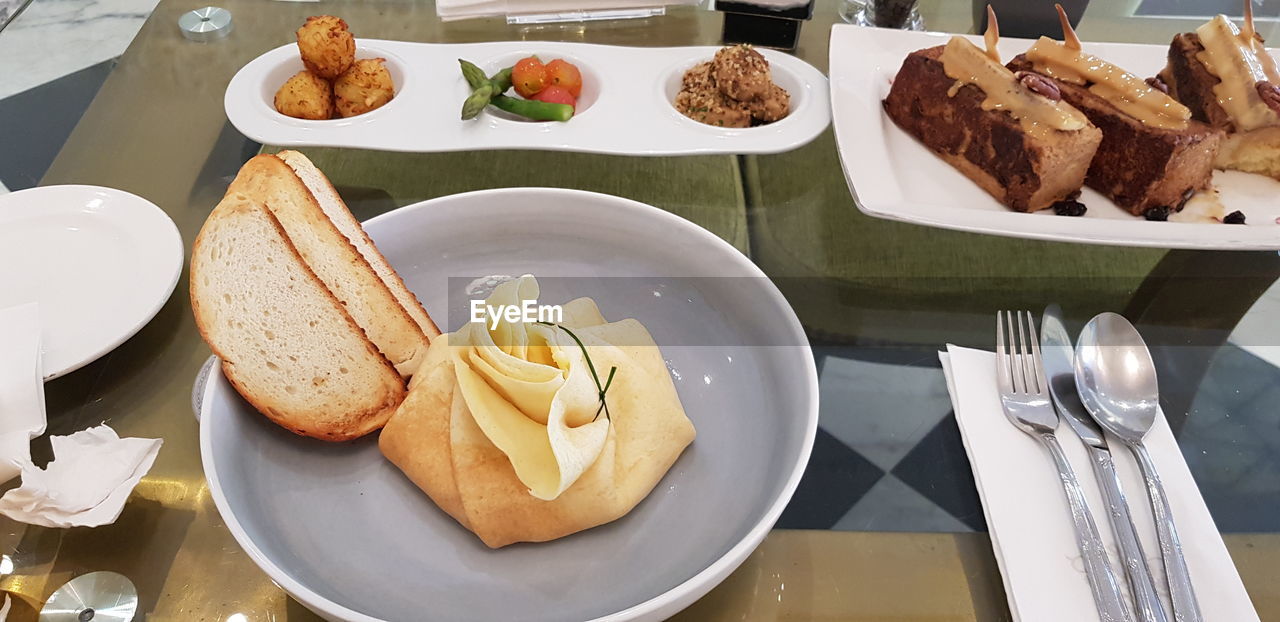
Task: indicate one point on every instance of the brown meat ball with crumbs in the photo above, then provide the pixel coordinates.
(733, 90)
(327, 47)
(713, 108)
(305, 96)
(741, 73)
(365, 86)
(774, 106)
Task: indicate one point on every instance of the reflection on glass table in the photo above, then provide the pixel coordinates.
(888, 503)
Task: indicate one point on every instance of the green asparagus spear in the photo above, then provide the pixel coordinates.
(501, 81)
(477, 101)
(535, 110)
(474, 75)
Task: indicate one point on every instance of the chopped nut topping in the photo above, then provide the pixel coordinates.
(1156, 83)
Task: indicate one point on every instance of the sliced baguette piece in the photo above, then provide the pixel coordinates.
(286, 344)
(346, 222)
(334, 259)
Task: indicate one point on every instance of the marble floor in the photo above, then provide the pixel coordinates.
(8, 8)
(1255, 333)
(53, 38)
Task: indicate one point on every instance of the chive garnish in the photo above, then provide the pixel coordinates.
(603, 389)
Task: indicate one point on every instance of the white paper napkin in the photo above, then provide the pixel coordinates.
(1028, 518)
(21, 386)
(467, 9)
(87, 482)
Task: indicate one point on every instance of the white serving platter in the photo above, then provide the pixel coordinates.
(893, 176)
(625, 108)
(100, 263)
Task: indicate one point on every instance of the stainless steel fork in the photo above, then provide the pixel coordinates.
(1024, 394)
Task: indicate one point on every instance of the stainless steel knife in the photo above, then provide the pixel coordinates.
(1059, 368)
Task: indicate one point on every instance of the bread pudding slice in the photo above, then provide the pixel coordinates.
(1027, 150)
(1152, 155)
(1228, 80)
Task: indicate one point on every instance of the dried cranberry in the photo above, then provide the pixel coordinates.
(1069, 208)
(1157, 213)
(1234, 218)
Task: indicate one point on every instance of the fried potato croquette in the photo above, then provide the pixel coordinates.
(305, 96)
(327, 47)
(365, 86)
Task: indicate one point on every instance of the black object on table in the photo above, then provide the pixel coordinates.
(746, 22)
(1028, 19)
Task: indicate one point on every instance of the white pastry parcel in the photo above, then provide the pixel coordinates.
(506, 429)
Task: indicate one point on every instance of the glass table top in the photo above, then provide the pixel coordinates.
(887, 523)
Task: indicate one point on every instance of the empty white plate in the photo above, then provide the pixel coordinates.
(100, 262)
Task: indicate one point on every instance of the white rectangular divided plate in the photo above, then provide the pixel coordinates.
(892, 175)
(625, 108)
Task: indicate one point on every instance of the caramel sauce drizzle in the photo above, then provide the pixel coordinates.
(1240, 61)
(967, 64)
(1250, 36)
(1127, 92)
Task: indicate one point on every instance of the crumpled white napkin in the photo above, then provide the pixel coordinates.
(467, 9)
(86, 484)
(21, 386)
(1030, 524)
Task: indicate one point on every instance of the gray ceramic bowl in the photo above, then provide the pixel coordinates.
(344, 532)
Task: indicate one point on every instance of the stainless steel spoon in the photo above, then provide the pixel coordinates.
(1059, 367)
(1116, 379)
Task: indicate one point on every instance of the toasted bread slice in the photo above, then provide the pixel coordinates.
(286, 344)
(333, 258)
(342, 218)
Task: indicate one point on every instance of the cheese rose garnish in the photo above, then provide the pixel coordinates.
(531, 391)
(506, 429)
